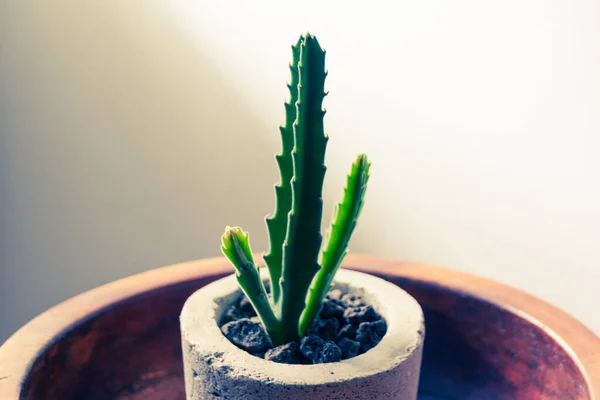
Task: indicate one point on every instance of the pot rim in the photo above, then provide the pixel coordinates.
(25, 346)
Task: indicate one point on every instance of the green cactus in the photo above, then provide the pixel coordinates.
(298, 281)
(344, 221)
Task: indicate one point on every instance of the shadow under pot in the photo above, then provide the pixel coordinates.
(214, 368)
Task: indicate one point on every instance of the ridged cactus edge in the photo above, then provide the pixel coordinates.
(300, 276)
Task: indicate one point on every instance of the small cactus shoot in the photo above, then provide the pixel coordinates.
(299, 280)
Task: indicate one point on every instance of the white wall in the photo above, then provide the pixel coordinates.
(125, 126)
(123, 149)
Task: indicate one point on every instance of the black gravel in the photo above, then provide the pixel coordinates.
(247, 335)
(350, 348)
(369, 334)
(326, 329)
(358, 315)
(285, 354)
(346, 327)
(347, 331)
(319, 351)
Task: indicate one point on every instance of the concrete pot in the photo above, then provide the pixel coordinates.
(214, 368)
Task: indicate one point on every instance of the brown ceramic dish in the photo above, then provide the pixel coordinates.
(484, 340)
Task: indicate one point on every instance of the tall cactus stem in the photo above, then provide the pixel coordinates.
(343, 223)
(303, 238)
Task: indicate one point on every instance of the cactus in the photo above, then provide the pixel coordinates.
(299, 282)
(344, 221)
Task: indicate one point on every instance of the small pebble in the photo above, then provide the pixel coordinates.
(350, 348)
(326, 329)
(285, 354)
(310, 346)
(330, 353)
(247, 335)
(347, 331)
(332, 308)
(370, 333)
(232, 314)
(356, 316)
(319, 351)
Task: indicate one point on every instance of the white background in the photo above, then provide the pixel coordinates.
(133, 132)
